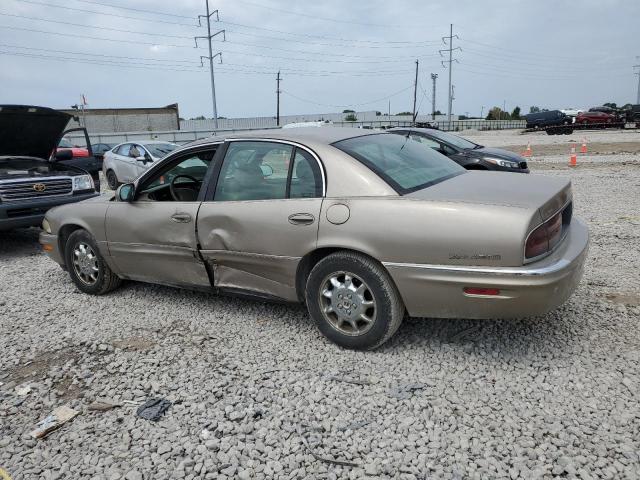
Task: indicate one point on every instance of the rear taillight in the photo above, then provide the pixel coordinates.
(545, 237)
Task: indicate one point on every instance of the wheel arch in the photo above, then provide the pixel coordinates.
(312, 258)
(64, 233)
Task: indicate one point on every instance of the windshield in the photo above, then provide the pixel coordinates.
(159, 150)
(404, 164)
(454, 140)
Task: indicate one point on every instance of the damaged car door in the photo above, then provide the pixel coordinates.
(152, 237)
(262, 216)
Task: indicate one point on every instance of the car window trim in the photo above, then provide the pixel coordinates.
(181, 153)
(210, 194)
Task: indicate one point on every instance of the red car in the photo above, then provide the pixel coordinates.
(76, 152)
(595, 117)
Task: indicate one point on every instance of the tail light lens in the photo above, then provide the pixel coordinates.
(544, 238)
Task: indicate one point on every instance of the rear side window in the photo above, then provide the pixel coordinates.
(306, 177)
(405, 165)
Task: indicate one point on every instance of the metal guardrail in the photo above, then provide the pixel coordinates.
(186, 136)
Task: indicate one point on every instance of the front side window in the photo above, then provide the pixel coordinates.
(405, 165)
(254, 171)
(180, 180)
(124, 149)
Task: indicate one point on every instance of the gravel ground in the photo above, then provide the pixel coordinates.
(258, 393)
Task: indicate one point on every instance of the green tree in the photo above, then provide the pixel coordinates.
(351, 118)
(610, 104)
(405, 113)
(496, 113)
(515, 115)
(534, 109)
(348, 111)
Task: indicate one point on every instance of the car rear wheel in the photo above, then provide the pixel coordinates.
(86, 266)
(353, 300)
(112, 180)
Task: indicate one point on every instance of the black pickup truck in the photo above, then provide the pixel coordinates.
(34, 176)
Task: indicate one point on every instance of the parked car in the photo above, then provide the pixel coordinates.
(127, 161)
(595, 117)
(32, 179)
(547, 119)
(632, 114)
(466, 153)
(76, 151)
(99, 149)
(360, 225)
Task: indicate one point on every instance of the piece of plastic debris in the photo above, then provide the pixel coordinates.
(23, 390)
(58, 416)
(354, 381)
(153, 409)
(103, 405)
(131, 402)
(328, 460)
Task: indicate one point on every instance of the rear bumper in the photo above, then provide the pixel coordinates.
(534, 289)
(30, 213)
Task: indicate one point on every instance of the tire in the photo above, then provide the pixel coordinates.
(86, 266)
(112, 180)
(350, 330)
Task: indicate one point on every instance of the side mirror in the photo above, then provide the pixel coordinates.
(64, 155)
(267, 170)
(126, 192)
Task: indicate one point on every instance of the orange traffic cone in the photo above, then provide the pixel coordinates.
(573, 159)
(527, 152)
(583, 148)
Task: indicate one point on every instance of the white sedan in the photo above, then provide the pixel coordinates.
(126, 162)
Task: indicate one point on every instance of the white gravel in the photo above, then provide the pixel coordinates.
(256, 389)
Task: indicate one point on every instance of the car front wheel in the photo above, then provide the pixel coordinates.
(86, 266)
(112, 180)
(354, 301)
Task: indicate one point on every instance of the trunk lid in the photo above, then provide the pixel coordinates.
(547, 195)
(27, 131)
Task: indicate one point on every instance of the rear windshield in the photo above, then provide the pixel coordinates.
(404, 164)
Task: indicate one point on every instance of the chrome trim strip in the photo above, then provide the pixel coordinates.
(518, 271)
(289, 142)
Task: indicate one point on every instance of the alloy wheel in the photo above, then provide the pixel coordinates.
(347, 303)
(85, 263)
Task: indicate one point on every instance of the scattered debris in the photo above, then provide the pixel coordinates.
(153, 409)
(355, 425)
(353, 381)
(131, 402)
(463, 333)
(103, 405)
(23, 390)
(332, 461)
(406, 391)
(56, 419)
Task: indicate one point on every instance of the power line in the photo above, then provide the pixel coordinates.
(136, 9)
(94, 27)
(33, 2)
(349, 105)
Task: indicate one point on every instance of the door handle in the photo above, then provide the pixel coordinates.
(301, 219)
(181, 217)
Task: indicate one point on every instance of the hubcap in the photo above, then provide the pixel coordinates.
(347, 303)
(85, 263)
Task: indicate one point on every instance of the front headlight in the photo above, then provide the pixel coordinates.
(83, 182)
(502, 163)
(45, 226)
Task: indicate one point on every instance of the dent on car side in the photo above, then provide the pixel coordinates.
(467, 230)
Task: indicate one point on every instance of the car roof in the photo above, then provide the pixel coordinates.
(303, 135)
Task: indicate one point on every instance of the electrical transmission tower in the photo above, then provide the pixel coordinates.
(434, 76)
(209, 38)
(450, 61)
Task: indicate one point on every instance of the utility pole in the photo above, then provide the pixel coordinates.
(415, 95)
(482, 111)
(451, 60)
(638, 73)
(434, 76)
(211, 56)
(278, 91)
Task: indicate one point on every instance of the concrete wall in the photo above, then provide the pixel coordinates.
(110, 120)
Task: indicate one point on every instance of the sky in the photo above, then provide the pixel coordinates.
(332, 54)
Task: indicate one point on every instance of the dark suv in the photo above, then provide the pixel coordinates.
(32, 177)
(549, 118)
